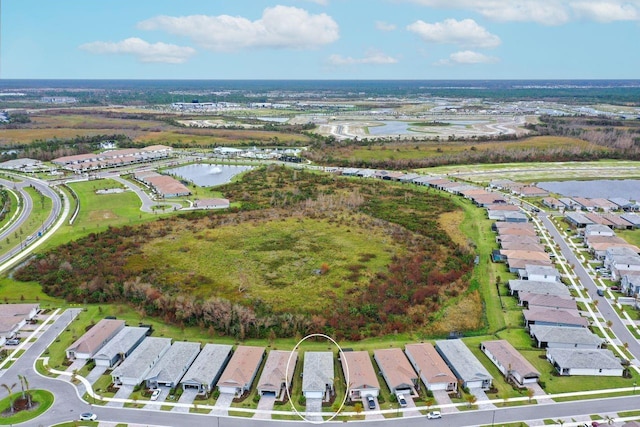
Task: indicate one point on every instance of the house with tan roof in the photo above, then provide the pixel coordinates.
(553, 317)
(431, 368)
(276, 376)
(528, 299)
(362, 377)
(241, 370)
(94, 339)
(397, 371)
(510, 362)
(15, 316)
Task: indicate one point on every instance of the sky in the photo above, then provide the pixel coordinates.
(320, 39)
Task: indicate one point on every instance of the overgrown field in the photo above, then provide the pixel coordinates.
(305, 253)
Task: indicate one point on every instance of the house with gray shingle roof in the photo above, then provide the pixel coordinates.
(532, 286)
(135, 368)
(174, 364)
(464, 364)
(120, 346)
(585, 362)
(564, 337)
(206, 369)
(274, 379)
(318, 375)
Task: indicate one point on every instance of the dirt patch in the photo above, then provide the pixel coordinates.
(102, 214)
(19, 405)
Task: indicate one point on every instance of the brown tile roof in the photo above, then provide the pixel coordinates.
(275, 368)
(431, 365)
(241, 367)
(96, 337)
(557, 316)
(361, 372)
(510, 358)
(396, 368)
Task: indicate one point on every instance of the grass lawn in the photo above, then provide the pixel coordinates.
(13, 207)
(43, 399)
(631, 236)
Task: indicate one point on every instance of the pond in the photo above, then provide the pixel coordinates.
(206, 175)
(605, 188)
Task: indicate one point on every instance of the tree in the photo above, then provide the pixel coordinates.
(428, 402)
(471, 399)
(9, 391)
(358, 407)
(530, 394)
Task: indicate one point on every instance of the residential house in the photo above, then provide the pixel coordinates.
(550, 288)
(604, 204)
(135, 368)
(397, 371)
(584, 203)
(94, 339)
(552, 203)
(598, 230)
(510, 362)
(553, 317)
(431, 368)
(630, 284)
(564, 337)
(241, 370)
(631, 218)
(318, 375)
(120, 346)
(464, 364)
(277, 374)
(529, 299)
(358, 368)
(585, 362)
(13, 317)
(577, 219)
(207, 368)
(174, 364)
(540, 273)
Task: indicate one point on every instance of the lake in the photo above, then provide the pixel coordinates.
(605, 188)
(206, 175)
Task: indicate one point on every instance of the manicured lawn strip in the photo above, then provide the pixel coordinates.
(13, 207)
(44, 399)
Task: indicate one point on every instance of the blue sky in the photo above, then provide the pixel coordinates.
(320, 39)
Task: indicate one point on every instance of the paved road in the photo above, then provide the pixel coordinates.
(618, 327)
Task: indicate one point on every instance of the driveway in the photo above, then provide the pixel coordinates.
(408, 412)
(96, 373)
(123, 393)
(367, 412)
(314, 405)
(481, 395)
(442, 397)
(188, 396)
(223, 402)
(265, 404)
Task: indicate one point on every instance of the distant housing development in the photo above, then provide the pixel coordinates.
(108, 159)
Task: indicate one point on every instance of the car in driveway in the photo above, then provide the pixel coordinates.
(434, 415)
(88, 416)
(401, 400)
(371, 402)
(13, 341)
(155, 394)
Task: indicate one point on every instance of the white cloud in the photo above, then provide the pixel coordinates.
(320, 2)
(279, 27)
(467, 57)
(371, 57)
(450, 31)
(546, 12)
(143, 50)
(605, 11)
(384, 26)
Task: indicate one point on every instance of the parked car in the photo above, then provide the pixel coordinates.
(600, 292)
(433, 415)
(88, 416)
(615, 288)
(155, 394)
(13, 341)
(371, 402)
(402, 401)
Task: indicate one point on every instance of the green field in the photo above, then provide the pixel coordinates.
(274, 261)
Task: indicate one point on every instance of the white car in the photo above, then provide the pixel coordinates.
(155, 394)
(402, 401)
(88, 416)
(433, 415)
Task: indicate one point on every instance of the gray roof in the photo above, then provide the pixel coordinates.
(536, 287)
(631, 217)
(544, 270)
(596, 228)
(544, 300)
(142, 358)
(460, 358)
(558, 316)
(584, 358)
(208, 364)
(620, 201)
(175, 362)
(565, 335)
(578, 218)
(317, 370)
(122, 342)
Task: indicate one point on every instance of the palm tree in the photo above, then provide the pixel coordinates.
(9, 390)
(530, 394)
(26, 387)
(471, 399)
